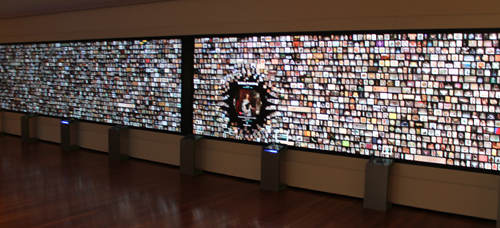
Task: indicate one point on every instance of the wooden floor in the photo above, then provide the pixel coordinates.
(41, 186)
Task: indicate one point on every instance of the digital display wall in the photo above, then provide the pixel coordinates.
(426, 97)
(130, 82)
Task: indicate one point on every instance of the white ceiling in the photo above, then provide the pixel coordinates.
(22, 8)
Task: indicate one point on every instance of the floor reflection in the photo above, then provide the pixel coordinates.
(42, 186)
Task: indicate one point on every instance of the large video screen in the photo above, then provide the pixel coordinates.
(418, 96)
(130, 82)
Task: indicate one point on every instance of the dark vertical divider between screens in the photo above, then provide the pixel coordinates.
(187, 85)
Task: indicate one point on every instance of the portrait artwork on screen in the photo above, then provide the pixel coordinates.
(244, 95)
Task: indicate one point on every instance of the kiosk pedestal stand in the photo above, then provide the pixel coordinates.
(376, 184)
(28, 131)
(118, 143)
(188, 155)
(69, 135)
(270, 167)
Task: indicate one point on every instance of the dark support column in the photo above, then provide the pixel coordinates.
(270, 167)
(69, 134)
(118, 143)
(376, 184)
(28, 130)
(188, 155)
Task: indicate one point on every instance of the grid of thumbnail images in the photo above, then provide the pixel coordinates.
(130, 82)
(429, 97)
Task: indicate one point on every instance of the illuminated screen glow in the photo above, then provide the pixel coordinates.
(130, 82)
(426, 97)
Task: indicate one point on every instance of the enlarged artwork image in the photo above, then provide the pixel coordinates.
(243, 104)
(248, 104)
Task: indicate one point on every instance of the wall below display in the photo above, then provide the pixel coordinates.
(453, 191)
(446, 190)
